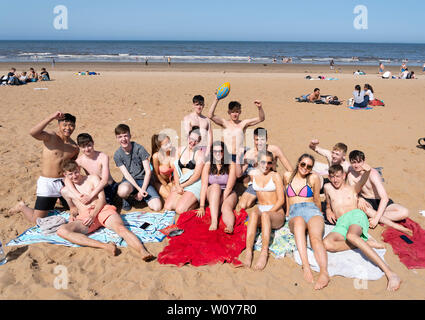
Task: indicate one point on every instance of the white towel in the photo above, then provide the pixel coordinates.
(349, 263)
(50, 224)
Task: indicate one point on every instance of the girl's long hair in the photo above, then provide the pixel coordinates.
(225, 160)
(303, 156)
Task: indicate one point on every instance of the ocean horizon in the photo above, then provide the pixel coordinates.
(300, 52)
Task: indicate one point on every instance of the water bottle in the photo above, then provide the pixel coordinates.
(3, 258)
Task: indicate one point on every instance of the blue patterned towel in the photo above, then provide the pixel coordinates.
(282, 242)
(132, 220)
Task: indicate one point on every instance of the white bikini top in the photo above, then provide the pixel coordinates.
(270, 186)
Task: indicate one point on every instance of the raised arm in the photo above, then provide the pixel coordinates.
(216, 119)
(323, 152)
(261, 115)
(38, 132)
(359, 185)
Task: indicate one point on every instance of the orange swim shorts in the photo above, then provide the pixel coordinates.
(107, 211)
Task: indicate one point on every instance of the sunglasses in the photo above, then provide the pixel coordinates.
(217, 151)
(266, 162)
(305, 165)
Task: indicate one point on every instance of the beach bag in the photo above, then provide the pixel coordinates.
(376, 102)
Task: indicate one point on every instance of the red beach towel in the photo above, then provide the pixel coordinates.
(199, 246)
(412, 255)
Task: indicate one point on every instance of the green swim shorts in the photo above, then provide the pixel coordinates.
(355, 216)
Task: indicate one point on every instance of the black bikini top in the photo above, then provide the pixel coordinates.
(190, 165)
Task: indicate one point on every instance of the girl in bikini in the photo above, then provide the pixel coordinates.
(269, 213)
(163, 154)
(302, 189)
(188, 166)
(218, 180)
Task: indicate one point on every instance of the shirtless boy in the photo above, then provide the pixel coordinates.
(250, 162)
(94, 163)
(374, 200)
(87, 218)
(234, 128)
(57, 147)
(196, 118)
(133, 161)
(352, 224)
(336, 156)
(311, 97)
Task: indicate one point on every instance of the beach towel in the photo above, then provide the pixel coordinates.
(199, 246)
(282, 242)
(357, 108)
(132, 220)
(349, 263)
(412, 255)
(377, 102)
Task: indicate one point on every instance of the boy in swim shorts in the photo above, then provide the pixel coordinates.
(374, 200)
(57, 147)
(351, 229)
(87, 218)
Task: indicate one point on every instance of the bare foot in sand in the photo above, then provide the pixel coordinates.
(262, 261)
(17, 208)
(228, 229)
(375, 244)
(247, 261)
(111, 249)
(393, 282)
(148, 258)
(322, 281)
(308, 275)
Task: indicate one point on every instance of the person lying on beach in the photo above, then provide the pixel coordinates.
(163, 156)
(87, 218)
(188, 165)
(374, 200)
(94, 163)
(218, 180)
(245, 167)
(310, 97)
(302, 188)
(196, 118)
(328, 99)
(32, 75)
(269, 213)
(234, 128)
(57, 147)
(133, 161)
(352, 224)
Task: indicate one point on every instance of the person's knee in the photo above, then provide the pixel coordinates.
(124, 190)
(329, 244)
(352, 237)
(404, 212)
(181, 207)
(62, 231)
(155, 204)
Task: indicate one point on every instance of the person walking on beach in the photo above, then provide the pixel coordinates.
(332, 64)
(352, 224)
(381, 68)
(57, 147)
(87, 218)
(169, 60)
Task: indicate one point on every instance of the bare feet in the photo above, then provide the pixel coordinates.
(393, 282)
(213, 226)
(247, 261)
(111, 248)
(408, 232)
(148, 258)
(17, 208)
(322, 281)
(262, 260)
(308, 275)
(228, 229)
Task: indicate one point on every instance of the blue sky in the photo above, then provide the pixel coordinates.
(274, 20)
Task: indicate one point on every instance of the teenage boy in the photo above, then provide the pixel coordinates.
(133, 161)
(94, 163)
(352, 224)
(249, 162)
(374, 200)
(87, 218)
(197, 119)
(57, 147)
(234, 128)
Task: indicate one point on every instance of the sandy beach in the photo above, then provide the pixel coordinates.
(151, 98)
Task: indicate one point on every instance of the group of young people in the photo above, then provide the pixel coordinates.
(14, 78)
(204, 172)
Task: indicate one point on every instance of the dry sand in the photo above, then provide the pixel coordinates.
(157, 96)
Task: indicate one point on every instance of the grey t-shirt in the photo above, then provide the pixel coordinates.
(133, 160)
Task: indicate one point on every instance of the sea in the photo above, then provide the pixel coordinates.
(213, 52)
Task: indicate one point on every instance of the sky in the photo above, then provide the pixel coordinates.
(220, 20)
